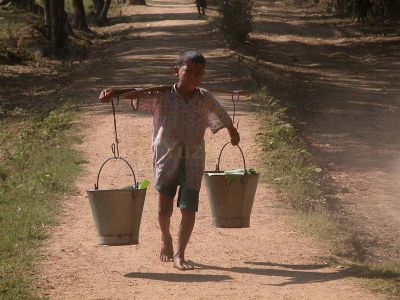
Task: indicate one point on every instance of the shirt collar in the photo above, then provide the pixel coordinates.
(199, 90)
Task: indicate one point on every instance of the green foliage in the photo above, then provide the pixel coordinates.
(37, 167)
(235, 19)
(289, 165)
(379, 277)
(87, 4)
(290, 169)
(144, 184)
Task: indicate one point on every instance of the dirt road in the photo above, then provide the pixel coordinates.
(269, 260)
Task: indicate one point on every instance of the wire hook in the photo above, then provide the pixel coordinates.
(114, 146)
(234, 101)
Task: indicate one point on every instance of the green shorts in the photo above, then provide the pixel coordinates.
(187, 198)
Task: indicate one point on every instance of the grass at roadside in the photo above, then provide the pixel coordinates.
(380, 277)
(37, 167)
(289, 165)
(301, 183)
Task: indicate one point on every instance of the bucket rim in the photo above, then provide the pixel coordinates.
(116, 190)
(222, 172)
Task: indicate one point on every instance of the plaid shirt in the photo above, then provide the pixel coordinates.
(178, 132)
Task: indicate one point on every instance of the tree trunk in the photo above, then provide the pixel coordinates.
(47, 18)
(392, 10)
(97, 7)
(79, 15)
(137, 2)
(103, 15)
(57, 23)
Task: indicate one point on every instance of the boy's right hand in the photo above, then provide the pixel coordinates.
(106, 95)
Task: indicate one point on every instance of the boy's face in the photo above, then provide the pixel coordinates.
(190, 75)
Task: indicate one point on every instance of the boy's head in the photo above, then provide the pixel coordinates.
(191, 56)
(190, 69)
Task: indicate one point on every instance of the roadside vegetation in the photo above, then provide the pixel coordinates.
(37, 168)
(303, 185)
(290, 167)
(38, 163)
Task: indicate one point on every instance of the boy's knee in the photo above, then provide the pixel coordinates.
(165, 210)
(188, 212)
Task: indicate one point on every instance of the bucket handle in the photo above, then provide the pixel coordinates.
(219, 158)
(96, 186)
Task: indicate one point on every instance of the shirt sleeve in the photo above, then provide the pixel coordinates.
(147, 103)
(217, 117)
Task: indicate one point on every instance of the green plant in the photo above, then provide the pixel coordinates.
(235, 19)
(289, 165)
(301, 183)
(37, 167)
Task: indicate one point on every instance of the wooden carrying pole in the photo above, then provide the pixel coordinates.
(141, 91)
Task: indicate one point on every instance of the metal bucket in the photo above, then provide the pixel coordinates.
(117, 213)
(230, 199)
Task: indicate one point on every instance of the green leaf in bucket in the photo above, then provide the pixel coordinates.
(127, 188)
(233, 175)
(144, 184)
(231, 178)
(240, 171)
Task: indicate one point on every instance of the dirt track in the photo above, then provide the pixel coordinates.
(268, 260)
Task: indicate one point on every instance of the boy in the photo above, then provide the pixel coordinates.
(201, 7)
(181, 115)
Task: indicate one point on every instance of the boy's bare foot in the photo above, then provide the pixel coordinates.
(167, 250)
(181, 264)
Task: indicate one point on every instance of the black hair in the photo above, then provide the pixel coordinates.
(192, 56)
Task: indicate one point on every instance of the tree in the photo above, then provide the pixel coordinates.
(235, 19)
(137, 2)
(47, 18)
(100, 11)
(97, 7)
(79, 15)
(102, 18)
(57, 15)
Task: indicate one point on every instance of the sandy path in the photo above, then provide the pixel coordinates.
(268, 260)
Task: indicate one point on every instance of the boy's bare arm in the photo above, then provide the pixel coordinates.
(234, 134)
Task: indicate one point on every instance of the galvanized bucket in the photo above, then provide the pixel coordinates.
(231, 197)
(117, 213)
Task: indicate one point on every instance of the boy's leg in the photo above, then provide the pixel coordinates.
(185, 231)
(165, 208)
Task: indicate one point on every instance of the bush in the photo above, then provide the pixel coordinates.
(374, 11)
(235, 19)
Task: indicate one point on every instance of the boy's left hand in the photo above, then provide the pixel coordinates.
(106, 95)
(234, 134)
